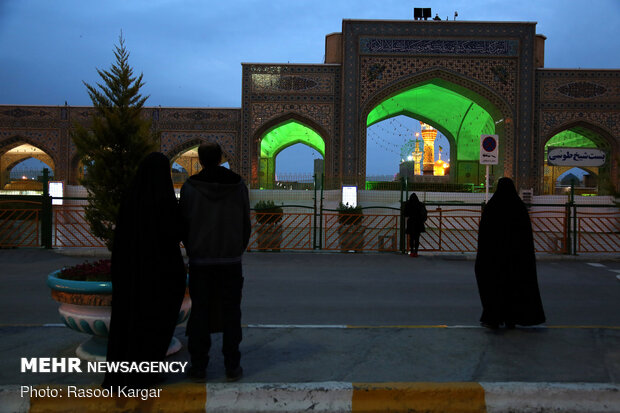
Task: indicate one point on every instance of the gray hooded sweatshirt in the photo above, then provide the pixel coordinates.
(215, 211)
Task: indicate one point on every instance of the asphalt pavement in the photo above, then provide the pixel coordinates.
(358, 318)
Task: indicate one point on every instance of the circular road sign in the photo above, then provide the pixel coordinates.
(489, 144)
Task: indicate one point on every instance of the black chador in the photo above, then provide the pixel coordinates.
(506, 263)
(148, 273)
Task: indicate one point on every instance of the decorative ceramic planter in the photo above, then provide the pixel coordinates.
(85, 306)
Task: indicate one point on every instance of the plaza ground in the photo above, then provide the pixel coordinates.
(351, 318)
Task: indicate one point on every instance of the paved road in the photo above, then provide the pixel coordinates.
(372, 290)
(387, 289)
(351, 289)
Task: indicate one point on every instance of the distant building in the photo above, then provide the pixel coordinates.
(463, 78)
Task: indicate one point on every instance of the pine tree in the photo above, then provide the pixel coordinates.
(119, 138)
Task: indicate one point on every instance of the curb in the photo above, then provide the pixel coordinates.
(332, 397)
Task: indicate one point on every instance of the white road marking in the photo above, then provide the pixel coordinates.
(596, 264)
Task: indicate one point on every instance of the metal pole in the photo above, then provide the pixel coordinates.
(486, 185)
(572, 201)
(404, 188)
(321, 213)
(46, 212)
(314, 246)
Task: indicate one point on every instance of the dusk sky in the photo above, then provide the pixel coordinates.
(190, 52)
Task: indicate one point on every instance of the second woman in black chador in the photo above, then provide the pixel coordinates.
(506, 263)
(416, 214)
(148, 273)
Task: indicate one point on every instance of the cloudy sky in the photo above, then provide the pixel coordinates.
(190, 52)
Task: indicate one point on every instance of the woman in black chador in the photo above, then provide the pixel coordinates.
(506, 264)
(148, 273)
(416, 214)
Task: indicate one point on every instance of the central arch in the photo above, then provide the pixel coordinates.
(459, 108)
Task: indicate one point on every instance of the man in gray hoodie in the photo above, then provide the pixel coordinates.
(215, 216)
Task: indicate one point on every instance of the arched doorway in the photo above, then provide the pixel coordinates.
(279, 137)
(185, 163)
(459, 112)
(394, 148)
(589, 179)
(21, 167)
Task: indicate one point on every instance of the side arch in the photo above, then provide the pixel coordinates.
(177, 150)
(602, 138)
(282, 120)
(500, 111)
(14, 141)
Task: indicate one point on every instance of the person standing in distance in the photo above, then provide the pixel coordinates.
(215, 210)
(416, 214)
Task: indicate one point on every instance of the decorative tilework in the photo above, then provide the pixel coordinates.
(482, 70)
(45, 139)
(262, 113)
(370, 45)
(583, 85)
(222, 116)
(30, 113)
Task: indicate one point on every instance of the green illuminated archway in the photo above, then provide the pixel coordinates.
(453, 114)
(575, 137)
(460, 115)
(287, 134)
(280, 137)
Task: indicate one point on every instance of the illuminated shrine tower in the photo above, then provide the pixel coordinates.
(417, 156)
(429, 134)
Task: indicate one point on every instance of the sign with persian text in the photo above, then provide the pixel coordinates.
(576, 157)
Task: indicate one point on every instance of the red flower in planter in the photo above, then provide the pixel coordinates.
(95, 271)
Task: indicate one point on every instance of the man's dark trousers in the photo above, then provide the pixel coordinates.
(207, 285)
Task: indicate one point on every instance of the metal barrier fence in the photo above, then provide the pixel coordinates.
(71, 228)
(350, 232)
(563, 229)
(598, 232)
(20, 224)
(276, 232)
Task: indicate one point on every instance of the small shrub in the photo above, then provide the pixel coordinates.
(267, 212)
(348, 214)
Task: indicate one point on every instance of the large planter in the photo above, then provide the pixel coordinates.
(85, 306)
(269, 236)
(351, 237)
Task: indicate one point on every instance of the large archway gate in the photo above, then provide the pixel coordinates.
(494, 68)
(492, 61)
(461, 114)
